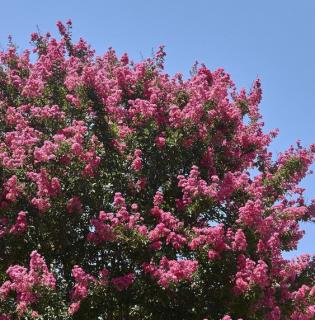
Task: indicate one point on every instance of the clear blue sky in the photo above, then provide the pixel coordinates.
(271, 39)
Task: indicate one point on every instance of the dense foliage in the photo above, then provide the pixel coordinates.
(130, 194)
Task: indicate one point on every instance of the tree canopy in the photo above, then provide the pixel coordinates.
(127, 193)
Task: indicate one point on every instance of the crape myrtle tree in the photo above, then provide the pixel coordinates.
(130, 194)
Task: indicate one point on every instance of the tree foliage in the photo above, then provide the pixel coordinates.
(130, 194)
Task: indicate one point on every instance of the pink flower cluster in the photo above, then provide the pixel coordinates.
(84, 282)
(168, 228)
(214, 238)
(171, 271)
(80, 289)
(24, 282)
(251, 273)
(137, 162)
(46, 189)
(123, 282)
(194, 187)
(104, 226)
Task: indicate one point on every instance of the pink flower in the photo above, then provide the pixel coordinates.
(74, 307)
(160, 142)
(123, 282)
(158, 199)
(20, 225)
(24, 282)
(171, 271)
(213, 255)
(62, 28)
(239, 243)
(137, 162)
(74, 205)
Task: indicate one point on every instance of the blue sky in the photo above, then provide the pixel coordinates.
(272, 40)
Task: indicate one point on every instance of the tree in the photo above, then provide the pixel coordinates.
(130, 194)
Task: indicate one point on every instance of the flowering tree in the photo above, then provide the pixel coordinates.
(130, 194)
